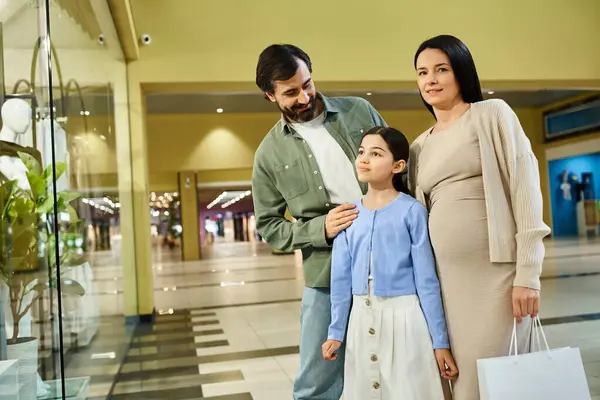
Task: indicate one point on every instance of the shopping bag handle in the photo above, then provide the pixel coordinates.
(539, 331)
(537, 328)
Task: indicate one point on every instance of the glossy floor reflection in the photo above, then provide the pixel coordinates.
(228, 325)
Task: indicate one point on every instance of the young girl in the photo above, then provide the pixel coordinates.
(383, 268)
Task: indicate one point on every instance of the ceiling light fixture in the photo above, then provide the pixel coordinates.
(491, 92)
(240, 197)
(219, 110)
(217, 200)
(369, 93)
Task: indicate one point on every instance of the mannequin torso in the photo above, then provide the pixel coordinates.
(16, 119)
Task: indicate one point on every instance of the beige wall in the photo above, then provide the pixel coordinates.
(220, 147)
(218, 143)
(205, 141)
(512, 40)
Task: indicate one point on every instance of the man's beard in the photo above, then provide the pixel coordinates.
(292, 114)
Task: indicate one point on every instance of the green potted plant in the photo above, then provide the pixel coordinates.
(28, 241)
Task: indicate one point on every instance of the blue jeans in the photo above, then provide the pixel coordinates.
(317, 379)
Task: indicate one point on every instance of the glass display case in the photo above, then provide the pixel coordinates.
(61, 68)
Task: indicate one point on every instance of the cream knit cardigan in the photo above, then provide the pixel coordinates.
(511, 185)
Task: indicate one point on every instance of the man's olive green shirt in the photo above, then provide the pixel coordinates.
(286, 174)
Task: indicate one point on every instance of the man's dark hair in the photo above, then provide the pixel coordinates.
(279, 62)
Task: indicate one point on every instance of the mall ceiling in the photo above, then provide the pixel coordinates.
(203, 103)
(73, 24)
(99, 101)
(76, 27)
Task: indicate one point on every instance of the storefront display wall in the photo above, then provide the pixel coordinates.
(65, 76)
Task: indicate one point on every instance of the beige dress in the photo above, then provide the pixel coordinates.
(477, 294)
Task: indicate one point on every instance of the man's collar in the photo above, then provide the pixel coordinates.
(328, 109)
(328, 106)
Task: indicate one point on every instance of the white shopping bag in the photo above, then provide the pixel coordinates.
(545, 374)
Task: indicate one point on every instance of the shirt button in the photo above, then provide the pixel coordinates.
(376, 385)
(310, 156)
(361, 131)
(368, 303)
(326, 204)
(371, 331)
(374, 358)
(287, 166)
(316, 172)
(320, 187)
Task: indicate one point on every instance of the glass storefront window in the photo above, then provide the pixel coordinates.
(61, 68)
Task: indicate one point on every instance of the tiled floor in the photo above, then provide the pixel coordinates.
(229, 324)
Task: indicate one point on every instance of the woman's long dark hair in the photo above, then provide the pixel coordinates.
(462, 64)
(399, 147)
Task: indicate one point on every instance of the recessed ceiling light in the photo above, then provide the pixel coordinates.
(491, 92)
(219, 110)
(369, 93)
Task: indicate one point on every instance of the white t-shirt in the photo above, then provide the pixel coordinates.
(337, 170)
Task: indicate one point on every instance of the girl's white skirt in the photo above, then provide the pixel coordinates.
(389, 354)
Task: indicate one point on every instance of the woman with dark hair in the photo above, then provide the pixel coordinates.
(476, 173)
